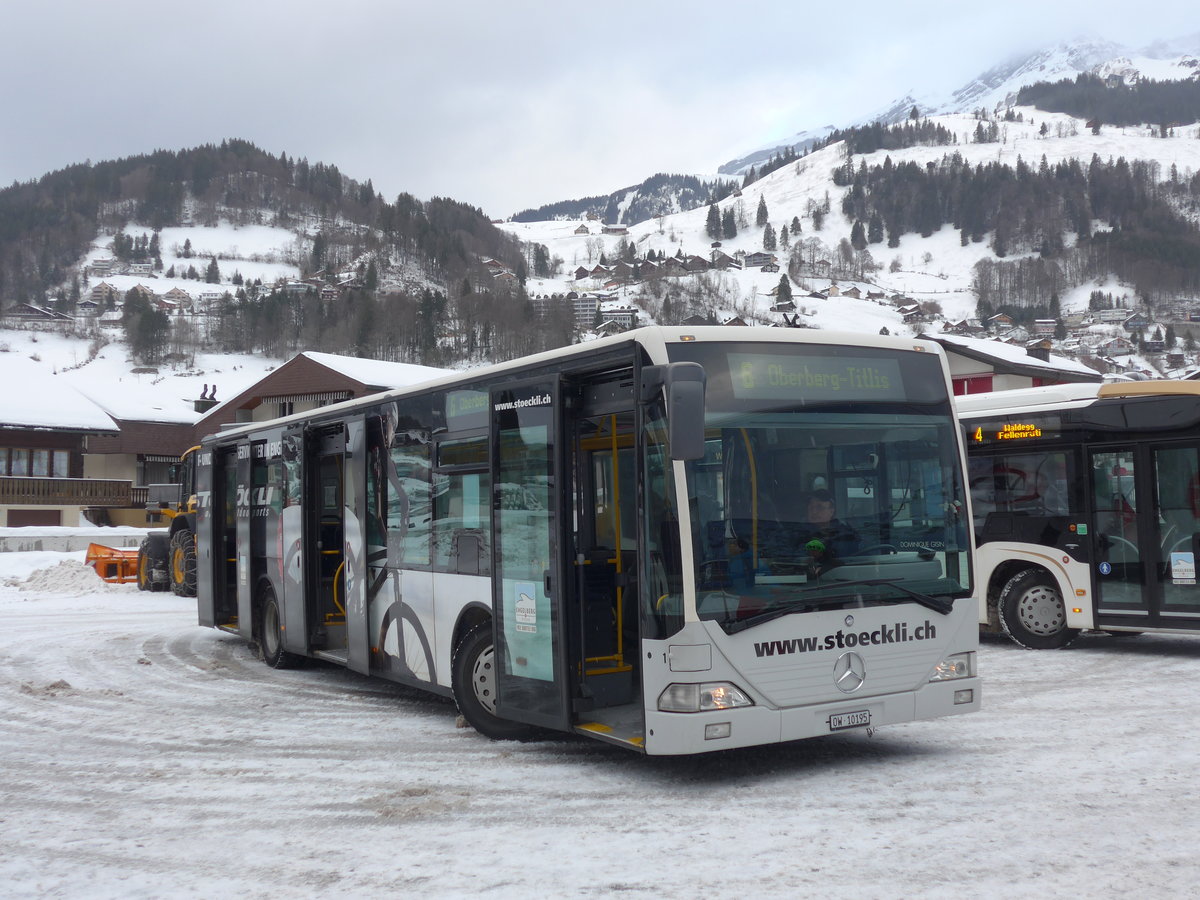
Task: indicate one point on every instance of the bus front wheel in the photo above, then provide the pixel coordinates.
(1033, 613)
(473, 679)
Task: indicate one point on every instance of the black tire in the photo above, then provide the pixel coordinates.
(1032, 611)
(183, 564)
(152, 563)
(473, 679)
(271, 635)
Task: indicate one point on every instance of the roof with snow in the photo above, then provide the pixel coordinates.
(1014, 358)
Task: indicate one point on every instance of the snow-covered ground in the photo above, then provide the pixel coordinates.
(142, 756)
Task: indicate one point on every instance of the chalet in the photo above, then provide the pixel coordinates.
(582, 229)
(876, 295)
(28, 312)
(783, 306)
(770, 267)
(818, 295)
(852, 291)
(833, 290)
(758, 259)
(1156, 341)
(42, 448)
(102, 266)
(330, 293)
(582, 272)
(695, 264)
(648, 269)
(821, 266)
(105, 294)
(722, 260)
(179, 297)
(1044, 327)
(141, 268)
(1000, 320)
(1120, 314)
(694, 321)
(910, 312)
(623, 272)
(1136, 322)
(735, 320)
(614, 229)
(673, 265)
(607, 328)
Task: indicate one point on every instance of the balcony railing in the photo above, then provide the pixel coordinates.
(64, 492)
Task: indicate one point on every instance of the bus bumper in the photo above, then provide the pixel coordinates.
(673, 734)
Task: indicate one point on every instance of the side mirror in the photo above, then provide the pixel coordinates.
(684, 384)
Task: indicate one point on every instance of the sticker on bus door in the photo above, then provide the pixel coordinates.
(526, 609)
(1183, 568)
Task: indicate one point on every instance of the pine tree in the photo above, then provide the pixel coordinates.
(212, 275)
(858, 236)
(760, 218)
(712, 226)
(728, 225)
(768, 237)
(784, 293)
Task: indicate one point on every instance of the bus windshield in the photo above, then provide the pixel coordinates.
(829, 494)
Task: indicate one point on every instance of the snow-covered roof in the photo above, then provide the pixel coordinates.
(31, 399)
(1014, 354)
(376, 372)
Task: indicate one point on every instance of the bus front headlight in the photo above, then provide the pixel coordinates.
(702, 697)
(957, 665)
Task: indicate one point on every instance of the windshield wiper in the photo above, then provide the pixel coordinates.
(937, 604)
(799, 606)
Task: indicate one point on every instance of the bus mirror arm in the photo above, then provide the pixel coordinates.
(684, 384)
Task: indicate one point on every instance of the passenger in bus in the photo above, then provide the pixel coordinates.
(826, 539)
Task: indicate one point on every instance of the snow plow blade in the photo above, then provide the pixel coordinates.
(116, 566)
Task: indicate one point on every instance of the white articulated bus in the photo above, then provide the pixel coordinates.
(1086, 500)
(609, 539)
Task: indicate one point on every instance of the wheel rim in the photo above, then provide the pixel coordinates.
(177, 563)
(1040, 611)
(483, 679)
(144, 571)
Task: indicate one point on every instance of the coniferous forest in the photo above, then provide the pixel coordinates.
(46, 226)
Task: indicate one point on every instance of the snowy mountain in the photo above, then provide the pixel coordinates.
(1177, 59)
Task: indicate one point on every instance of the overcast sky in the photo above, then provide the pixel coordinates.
(504, 105)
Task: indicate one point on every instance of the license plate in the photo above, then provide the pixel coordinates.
(850, 720)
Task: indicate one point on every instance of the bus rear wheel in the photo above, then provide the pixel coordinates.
(271, 635)
(473, 678)
(1032, 611)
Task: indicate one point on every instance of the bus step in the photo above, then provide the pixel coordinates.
(230, 627)
(341, 657)
(621, 725)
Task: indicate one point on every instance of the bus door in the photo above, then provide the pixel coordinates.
(1121, 553)
(604, 613)
(325, 581)
(220, 559)
(528, 589)
(1176, 474)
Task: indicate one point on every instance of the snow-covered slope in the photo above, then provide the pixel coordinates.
(1177, 59)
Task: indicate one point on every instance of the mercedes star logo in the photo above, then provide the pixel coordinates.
(849, 672)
